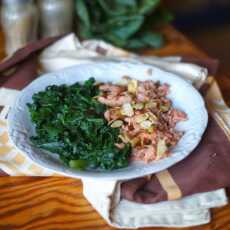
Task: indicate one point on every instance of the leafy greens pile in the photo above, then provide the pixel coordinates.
(69, 121)
(123, 23)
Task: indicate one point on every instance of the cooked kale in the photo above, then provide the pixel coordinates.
(70, 122)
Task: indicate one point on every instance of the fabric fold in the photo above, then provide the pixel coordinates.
(203, 177)
(60, 56)
(186, 212)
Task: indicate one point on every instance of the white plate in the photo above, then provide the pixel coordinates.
(183, 95)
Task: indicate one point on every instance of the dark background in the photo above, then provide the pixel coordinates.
(207, 23)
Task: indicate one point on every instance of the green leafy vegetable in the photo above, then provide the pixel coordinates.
(69, 121)
(121, 22)
(78, 164)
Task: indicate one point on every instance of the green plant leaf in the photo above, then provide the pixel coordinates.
(147, 39)
(115, 8)
(135, 43)
(82, 12)
(152, 39)
(162, 16)
(78, 164)
(54, 147)
(83, 16)
(120, 22)
(147, 6)
(129, 3)
(124, 27)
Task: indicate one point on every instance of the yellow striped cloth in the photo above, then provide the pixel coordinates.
(13, 161)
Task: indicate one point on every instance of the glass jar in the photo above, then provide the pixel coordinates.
(56, 17)
(19, 19)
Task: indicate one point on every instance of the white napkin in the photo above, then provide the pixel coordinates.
(104, 196)
(69, 51)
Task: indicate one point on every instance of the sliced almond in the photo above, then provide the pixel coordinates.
(117, 124)
(152, 117)
(146, 124)
(127, 110)
(134, 141)
(124, 138)
(151, 129)
(132, 86)
(161, 149)
(151, 105)
(138, 106)
(142, 117)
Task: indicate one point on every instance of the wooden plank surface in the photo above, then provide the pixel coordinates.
(28, 203)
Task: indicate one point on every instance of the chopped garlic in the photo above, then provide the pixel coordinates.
(127, 110)
(151, 129)
(152, 117)
(141, 117)
(146, 124)
(124, 137)
(134, 141)
(161, 149)
(117, 124)
(132, 86)
(138, 106)
(151, 105)
(165, 107)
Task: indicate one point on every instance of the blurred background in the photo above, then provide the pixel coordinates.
(207, 23)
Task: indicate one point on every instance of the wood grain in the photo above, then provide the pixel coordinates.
(55, 203)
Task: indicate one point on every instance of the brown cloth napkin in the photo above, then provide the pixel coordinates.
(21, 68)
(206, 169)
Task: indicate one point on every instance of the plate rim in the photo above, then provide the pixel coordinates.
(102, 175)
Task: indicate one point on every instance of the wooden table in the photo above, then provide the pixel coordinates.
(28, 203)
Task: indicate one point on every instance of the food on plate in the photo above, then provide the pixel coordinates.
(105, 126)
(69, 121)
(145, 116)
